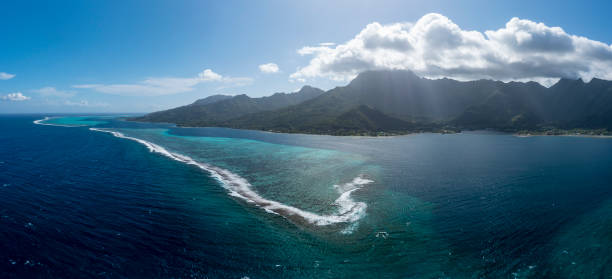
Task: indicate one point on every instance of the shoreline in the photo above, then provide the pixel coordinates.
(564, 135)
(365, 134)
(520, 134)
(577, 132)
(382, 135)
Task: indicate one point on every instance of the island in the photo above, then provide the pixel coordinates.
(394, 102)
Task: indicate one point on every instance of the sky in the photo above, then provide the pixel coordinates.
(142, 56)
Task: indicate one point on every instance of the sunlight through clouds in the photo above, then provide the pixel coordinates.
(436, 47)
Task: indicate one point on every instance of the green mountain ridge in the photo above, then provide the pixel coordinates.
(399, 101)
(211, 99)
(358, 120)
(218, 108)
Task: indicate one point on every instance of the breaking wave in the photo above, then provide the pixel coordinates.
(41, 122)
(348, 210)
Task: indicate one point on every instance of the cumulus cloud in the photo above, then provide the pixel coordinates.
(269, 68)
(51, 91)
(166, 85)
(436, 47)
(5, 76)
(15, 97)
(209, 75)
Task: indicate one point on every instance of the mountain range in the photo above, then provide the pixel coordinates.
(383, 102)
(217, 109)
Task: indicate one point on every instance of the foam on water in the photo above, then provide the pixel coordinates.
(41, 122)
(78, 121)
(348, 211)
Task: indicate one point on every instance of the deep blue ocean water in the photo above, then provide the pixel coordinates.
(155, 201)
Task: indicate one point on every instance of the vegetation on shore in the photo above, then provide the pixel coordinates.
(561, 132)
(380, 103)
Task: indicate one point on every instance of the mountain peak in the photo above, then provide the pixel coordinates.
(242, 96)
(600, 81)
(566, 82)
(210, 100)
(383, 75)
(399, 100)
(308, 89)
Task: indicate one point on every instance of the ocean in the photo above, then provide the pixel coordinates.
(99, 197)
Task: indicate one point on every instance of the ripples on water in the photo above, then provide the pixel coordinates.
(79, 203)
(349, 211)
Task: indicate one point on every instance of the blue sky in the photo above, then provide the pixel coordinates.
(140, 56)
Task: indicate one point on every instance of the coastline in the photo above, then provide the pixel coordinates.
(564, 135)
(583, 133)
(577, 132)
(355, 133)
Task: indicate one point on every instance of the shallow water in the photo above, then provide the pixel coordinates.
(81, 202)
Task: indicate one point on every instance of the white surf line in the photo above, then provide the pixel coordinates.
(348, 210)
(40, 122)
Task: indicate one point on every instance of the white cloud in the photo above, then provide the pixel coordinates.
(268, 68)
(436, 47)
(87, 86)
(5, 76)
(51, 91)
(15, 97)
(327, 44)
(166, 85)
(84, 103)
(209, 75)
